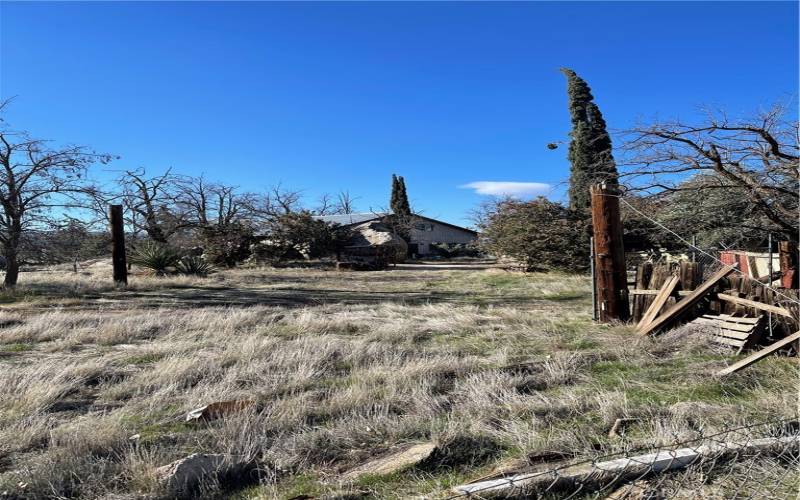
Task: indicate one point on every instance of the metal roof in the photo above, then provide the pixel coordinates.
(348, 219)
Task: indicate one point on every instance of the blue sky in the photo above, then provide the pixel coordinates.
(330, 96)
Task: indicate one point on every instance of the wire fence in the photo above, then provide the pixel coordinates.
(754, 461)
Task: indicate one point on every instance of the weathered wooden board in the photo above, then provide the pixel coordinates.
(684, 305)
(757, 356)
(682, 293)
(661, 299)
(722, 324)
(725, 330)
(755, 305)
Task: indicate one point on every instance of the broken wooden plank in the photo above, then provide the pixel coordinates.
(684, 305)
(682, 293)
(740, 319)
(218, 409)
(755, 305)
(728, 341)
(592, 477)
(658, 302)
(392, 462)
(757, 356)
(725, 325)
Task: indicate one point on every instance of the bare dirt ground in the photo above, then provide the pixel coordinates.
(498, 369)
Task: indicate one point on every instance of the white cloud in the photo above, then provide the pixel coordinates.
(516, 189)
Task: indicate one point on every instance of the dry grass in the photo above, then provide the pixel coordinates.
(494, 366)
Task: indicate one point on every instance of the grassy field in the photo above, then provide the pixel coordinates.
(501, 370)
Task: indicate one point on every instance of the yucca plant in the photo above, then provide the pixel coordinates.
(160, 259)
(194, 266)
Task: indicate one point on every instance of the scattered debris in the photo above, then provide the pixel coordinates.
(410, 455)
(686, 303)
(638, 490)
(619, 427)
(219, 409)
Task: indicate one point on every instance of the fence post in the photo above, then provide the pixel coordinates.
(594, 278)
(787, 254)
(118, 245)
(609, 252)
(768, 290)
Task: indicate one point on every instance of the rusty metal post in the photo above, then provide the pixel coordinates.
(609, 252)
(787, 254)
(118, 259)
(594, 279)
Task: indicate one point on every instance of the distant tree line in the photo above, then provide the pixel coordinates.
(52, 211)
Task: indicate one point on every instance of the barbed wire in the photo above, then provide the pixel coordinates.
(712, 461)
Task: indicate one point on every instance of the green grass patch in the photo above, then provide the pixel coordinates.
(16, 347)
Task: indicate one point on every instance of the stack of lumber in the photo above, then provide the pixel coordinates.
(738, 332)
(741, 306)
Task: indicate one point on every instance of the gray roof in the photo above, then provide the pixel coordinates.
(348, 219)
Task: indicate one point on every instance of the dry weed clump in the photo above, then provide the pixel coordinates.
(492, 366)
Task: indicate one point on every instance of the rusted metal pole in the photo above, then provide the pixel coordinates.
(787, 254)
(769, 282)
(609, 255)
(118, 245)
(594, 280)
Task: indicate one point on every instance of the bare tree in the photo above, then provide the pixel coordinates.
(151, 204)
(35, 182)
(345, 203)
(277, 201)
(325, 205)
(211, 203)
(757, 158)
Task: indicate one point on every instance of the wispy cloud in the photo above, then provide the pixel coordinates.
(502, 188)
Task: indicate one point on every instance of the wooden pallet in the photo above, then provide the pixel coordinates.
(739, 332)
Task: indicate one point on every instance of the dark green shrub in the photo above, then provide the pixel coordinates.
(539, 234)
(192, 265)
(158, 258)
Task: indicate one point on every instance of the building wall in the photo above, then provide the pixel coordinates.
(437, 233)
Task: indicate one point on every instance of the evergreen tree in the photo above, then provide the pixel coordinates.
(402, 202)
(395, 193)
(590, 148)
(399, 198)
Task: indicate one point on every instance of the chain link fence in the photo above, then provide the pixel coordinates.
(754, 461)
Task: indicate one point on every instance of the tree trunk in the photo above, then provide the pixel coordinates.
(11, 255)
(12, 268)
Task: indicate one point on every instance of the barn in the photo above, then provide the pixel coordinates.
(425, 231)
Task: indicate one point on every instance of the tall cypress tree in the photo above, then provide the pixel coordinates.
(403, 205)
(394, 196)
(399, 197)
(590, 148)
